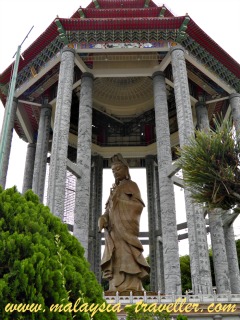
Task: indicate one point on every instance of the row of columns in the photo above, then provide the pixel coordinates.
(36, 158)
(163, 228)
(198, 247)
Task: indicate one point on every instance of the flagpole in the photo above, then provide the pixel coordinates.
(8, 107)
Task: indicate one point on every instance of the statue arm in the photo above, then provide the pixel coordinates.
(132, 193)
(136, 198)
(103, 219)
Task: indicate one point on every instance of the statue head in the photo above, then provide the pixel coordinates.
(120, 168)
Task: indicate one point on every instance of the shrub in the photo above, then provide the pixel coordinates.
(41, 262)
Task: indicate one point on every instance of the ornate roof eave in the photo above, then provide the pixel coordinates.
(206, 42)
(138, 23)
(211, 62)
(195, 40)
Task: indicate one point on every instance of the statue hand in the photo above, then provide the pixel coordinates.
(107, 275)
(102, 223)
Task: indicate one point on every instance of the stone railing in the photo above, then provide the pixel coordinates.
(147, 297)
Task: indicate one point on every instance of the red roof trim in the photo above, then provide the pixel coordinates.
(123, 12)
(121, 23)
(213, 48)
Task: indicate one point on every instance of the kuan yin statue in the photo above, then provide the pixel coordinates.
(123, 264)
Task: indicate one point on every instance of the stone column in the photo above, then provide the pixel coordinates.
(158, 239)
(220, 260)
(29, 167)
(182, 97)
(198, 248)
(81, 216)
(57, 172)
(150, 171)
(40, 164)
(94, 252)
(232, 257)
(172, 276)
(202, 116)
(7, 136)
(235, 107)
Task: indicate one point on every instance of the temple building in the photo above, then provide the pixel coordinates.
(125, 76)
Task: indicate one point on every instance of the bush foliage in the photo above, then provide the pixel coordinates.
(145, 315)
(41, 262)
(210, 163)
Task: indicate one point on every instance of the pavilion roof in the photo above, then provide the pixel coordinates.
(122, 15)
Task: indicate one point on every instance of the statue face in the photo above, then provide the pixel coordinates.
(119, 171)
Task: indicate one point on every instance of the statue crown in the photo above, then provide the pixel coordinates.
(116, 158)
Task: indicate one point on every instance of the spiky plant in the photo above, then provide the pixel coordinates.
(210, 163)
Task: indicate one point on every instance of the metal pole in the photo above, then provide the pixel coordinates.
(8, 109)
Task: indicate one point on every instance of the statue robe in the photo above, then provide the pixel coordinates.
(123, 250)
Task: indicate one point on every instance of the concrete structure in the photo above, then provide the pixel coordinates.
(126, 76)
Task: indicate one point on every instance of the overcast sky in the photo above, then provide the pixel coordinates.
(219, 19)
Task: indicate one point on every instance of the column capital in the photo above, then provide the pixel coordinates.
(200, 104)
(46, 109)
(158, 73)
(234, 95)
(150, 157)
(178, 47)
(31, 145)
(47, 106)
(88, 74)
(65, 49)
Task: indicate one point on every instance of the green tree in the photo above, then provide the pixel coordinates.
(185, 273)
(181, 317)
(142, 315)
(41, 262)
(210, 164)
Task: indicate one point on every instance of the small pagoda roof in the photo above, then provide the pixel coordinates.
(105, 4)
(152, 12)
